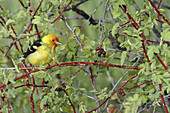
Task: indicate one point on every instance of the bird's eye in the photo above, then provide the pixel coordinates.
(53, 40)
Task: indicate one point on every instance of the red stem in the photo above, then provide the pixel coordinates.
(32, 103)
(159, 20)
(6, 55)
(135, 24)
(1, 7)
(138, 85)
(62, 83)
(8, 104)
(15, 39)
(166, 109)
(30, 28)
(75, 64)
(2, 20)
(13, 30)
(22, 4)
(142, 83)
(36, 28)
(13, 43)
(159, 4)
(39, 108)
(161, 62)
(38, 7)
(92, 63)
(20, 46)
(91, 75)
(144, 50)
(34, 15)
(31, 35)
(113, 94)
(74, 110)
(158, 12)
(61, 13)
(158, 42)
(32, 85)
(130, 18)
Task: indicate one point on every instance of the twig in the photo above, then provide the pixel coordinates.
(158, 42)
(36, 28)
(166, 109)
(33, 85)
(94, 11)
(32, 103)
(144, 50)
(159, 4)
(144, 39)
(76, 5)
(114, 87)
(113, 94)
(158, 12)
(1, 7)
(9, 105)
(6, 56)
(74, 64)
(105, 21)
(74, 34)
(94, 88)
(22, 4)
(162, 5)
(14, 42)
(68, 78)
(31, 35)
(70, 101)
(85, 15)
(87, 96)
(80, 64)
(60, 13)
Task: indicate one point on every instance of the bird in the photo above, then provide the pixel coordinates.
(42, 50)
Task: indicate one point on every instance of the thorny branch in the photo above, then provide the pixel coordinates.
(73, 64)
(136, 26)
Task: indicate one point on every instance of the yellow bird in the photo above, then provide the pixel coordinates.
(42, 50)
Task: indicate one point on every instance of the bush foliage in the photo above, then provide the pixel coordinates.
(114, 58)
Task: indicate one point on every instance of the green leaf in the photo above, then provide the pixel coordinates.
(167, 36)
(10, 21)
(131, 10)
(150, 52)
(128, 32)
(123, 56)
(153, 65)
(37, 20)
(77, 31)
(116, 12)
(115, 27)
(70, 55)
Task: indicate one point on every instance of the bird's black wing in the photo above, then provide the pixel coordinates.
(32, 48)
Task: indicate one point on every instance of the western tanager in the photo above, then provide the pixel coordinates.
(42, 50)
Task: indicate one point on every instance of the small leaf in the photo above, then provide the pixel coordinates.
(128, 32)
(167, 36)
(77, 31)
(37, 17)
(115, 28)
(70, 55)
(123, 56)
(10, 21)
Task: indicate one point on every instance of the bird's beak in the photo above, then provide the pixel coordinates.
(59, 43)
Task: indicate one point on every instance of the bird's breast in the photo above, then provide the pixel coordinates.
(41, 56)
